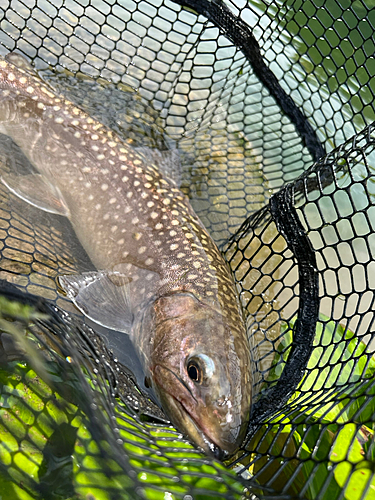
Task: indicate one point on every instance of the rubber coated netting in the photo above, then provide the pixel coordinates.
(251, 94)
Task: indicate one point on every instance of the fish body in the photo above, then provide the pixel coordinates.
(160, 277)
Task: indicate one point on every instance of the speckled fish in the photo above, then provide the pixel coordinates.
(160, 279)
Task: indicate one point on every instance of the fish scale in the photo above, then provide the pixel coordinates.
(161, 279)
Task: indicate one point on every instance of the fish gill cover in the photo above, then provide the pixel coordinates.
(251, 94)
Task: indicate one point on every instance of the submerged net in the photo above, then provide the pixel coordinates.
(251, 94)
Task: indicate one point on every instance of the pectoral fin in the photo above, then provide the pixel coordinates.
(36, 190)
(102, 296)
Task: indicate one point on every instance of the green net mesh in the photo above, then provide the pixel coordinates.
(251, 94)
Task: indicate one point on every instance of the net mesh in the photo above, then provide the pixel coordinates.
(251, 93)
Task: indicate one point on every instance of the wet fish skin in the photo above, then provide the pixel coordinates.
(161, 277)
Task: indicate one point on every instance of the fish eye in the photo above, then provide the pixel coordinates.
(194, 372)
(200, 368)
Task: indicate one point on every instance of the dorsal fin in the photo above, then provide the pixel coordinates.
(167, 161)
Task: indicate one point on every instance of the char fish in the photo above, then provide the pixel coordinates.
(160, 277)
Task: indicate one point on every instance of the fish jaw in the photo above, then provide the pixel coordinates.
(184, 411)
(180, 416)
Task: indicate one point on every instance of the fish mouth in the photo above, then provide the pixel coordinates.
(185, 421)
(193, 431)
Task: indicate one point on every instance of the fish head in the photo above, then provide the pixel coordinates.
(199, 367)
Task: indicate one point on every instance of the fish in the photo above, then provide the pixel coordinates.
(159, 277)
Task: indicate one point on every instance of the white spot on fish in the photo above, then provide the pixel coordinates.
(125, 179)
(112, 201)
(159, 226)
(114, 229)
(142, 250)
(149, 262)
(104, 187)
(174, 246)
(154, 215)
